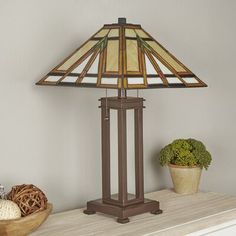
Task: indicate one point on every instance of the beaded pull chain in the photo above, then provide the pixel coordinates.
(2, 192)
(106, 115)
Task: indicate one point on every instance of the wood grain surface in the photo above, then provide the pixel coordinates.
(182, 214)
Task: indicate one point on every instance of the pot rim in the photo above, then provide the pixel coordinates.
(183, 167)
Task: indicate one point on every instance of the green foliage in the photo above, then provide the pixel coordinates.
(166, 155)
(185, 152)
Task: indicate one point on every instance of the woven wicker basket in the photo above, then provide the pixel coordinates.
(24, 225)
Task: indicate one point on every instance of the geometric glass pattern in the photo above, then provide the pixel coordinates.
(122, 56)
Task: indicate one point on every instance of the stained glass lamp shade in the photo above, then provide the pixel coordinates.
(122, 56)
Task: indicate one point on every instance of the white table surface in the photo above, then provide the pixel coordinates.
(204, 213)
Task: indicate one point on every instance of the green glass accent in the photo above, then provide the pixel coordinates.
(102, 43)
(144, 44)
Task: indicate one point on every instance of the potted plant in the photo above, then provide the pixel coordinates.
(185, 158)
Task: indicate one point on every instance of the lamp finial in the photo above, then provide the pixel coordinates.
(121, 20)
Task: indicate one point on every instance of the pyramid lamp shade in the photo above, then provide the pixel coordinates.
(122, 56)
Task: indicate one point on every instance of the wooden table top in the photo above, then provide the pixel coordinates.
(182, 214)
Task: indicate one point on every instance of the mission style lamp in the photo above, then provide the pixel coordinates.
(122, 56)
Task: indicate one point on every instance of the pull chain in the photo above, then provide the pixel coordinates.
(106, 114)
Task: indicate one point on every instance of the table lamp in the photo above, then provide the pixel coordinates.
(122, 56)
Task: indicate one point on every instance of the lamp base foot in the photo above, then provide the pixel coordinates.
(123, 212)
(123, 220)
(156, 212)
(89, 212)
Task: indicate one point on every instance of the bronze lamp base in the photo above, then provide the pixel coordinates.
(122, 205)
(123, 212)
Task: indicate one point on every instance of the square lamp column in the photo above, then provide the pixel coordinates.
(122, 56)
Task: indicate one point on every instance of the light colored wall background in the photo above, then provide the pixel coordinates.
(50, 136)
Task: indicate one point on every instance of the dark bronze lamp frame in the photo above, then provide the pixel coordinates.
(122, 204)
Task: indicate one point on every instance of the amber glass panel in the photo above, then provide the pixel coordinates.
(174, 80)
(113, 33)
(173, 63)
(132, 55)
(82, 65)
(52, 78)
(154, 81)
(139, 80)
(112, 63)
(102, 33)
(109, 81)
(89, 80)
(149, 67)
(130, 33)
(163, 68)
(77, 55)
(141, 33)
(94, 67)
(190, 80)
(69, 79)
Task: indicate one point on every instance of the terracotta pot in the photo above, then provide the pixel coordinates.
(185, 179)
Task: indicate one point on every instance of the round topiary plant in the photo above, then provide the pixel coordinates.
(185, 152)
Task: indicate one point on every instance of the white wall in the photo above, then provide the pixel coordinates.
(50, 136)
